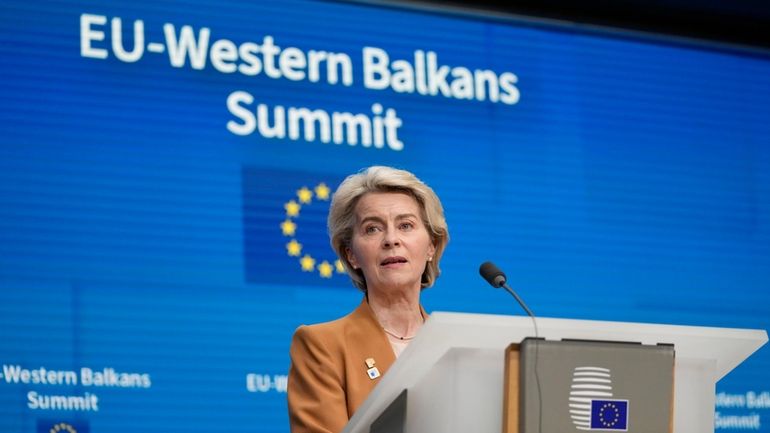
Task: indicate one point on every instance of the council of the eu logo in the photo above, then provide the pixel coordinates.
(591, 405)
(284, 224)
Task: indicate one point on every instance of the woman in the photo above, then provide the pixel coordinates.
(388, 228)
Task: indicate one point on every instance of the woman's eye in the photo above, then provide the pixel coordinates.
(371, 229)
(407, 226)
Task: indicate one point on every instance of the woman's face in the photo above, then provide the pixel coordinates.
(390, 244)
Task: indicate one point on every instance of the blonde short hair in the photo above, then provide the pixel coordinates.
(342, 216)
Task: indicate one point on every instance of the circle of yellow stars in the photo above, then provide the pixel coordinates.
(62, 426)
(614, 417)
(307, 263)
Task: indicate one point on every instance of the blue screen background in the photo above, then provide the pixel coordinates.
(631, 182)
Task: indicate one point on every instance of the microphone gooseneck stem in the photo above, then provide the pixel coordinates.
(519, 300)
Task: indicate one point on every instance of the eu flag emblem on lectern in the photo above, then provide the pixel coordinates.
(609, 415)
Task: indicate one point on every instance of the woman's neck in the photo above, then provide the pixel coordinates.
(398, 313)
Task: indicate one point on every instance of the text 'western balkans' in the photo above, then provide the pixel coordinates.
(15, 374)
(422, 73)
(107, 377)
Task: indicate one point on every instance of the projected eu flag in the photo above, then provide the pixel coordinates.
(284, 223)
(56, 426)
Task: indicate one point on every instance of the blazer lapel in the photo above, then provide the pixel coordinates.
(367, 347)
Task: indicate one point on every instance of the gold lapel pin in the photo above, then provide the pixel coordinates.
(371, 369)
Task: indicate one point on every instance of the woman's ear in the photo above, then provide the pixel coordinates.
(351, 258)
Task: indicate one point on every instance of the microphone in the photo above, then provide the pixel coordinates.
(492, 274)
(496, 278)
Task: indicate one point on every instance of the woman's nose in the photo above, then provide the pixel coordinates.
(391, 239)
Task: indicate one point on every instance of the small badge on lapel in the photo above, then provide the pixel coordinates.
(371, 369)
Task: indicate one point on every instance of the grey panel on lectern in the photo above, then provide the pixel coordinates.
(595, 385)
(392, 419)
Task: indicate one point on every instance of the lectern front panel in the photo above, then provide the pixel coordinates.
(574, 386)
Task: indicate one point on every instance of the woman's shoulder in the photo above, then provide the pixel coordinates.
(333, 329)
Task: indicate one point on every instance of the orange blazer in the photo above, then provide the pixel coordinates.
(328, 377)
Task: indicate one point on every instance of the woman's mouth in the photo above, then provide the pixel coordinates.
(393, 261)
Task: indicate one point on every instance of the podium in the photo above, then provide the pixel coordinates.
(453, 370)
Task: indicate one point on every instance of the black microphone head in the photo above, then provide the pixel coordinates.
(492, 274)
